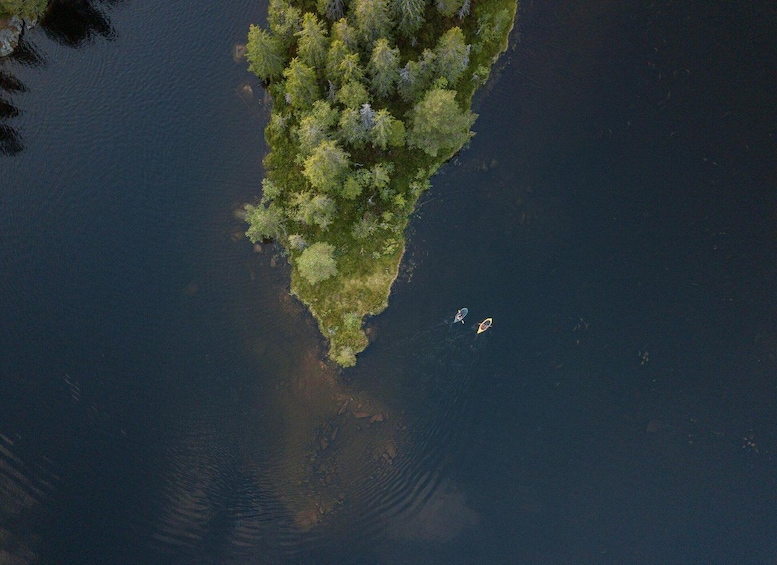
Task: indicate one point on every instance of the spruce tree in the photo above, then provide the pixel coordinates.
(383, 68)
(408, 15)
(372, 20)
(312, 43)
(265, 54)
(451, 55)
(301, 84)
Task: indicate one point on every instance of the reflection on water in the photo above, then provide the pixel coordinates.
(326, 460)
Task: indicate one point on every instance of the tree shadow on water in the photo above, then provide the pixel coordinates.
(72, 23)
(77, 22)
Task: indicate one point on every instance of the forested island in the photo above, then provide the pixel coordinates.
(370, 98)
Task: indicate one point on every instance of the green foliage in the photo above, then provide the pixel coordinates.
(314, 209)
(327, 166)
(350, 69)
(352, 95)
(296, 241)
(439, 123)
(345, 357)
(408, 15)
(387, 130)
(270, 191)
(27, 9)
(317, 263)
(379, 175)
(383, 68)
(312, 41)
(417, 76)
(264, 222)
(372, 19)
(451, 55)
(448, 7)
(364, 227)
(343, 31)
(301, 85)
(315, 126)
(352, 130)
(334, 57)
(265, 54)
(492, 27)
(331, 9)
(284, 20)
(351, 187)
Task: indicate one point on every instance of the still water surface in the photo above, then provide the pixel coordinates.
(163, 399)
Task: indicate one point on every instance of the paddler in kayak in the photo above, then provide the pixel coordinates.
(460, 315)
(484, 325)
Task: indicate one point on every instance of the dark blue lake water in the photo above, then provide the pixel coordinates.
(163, 399)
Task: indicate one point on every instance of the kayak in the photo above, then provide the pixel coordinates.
(484, 325)
(460, 315)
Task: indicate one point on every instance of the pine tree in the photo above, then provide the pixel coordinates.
(367, 115)
(316, 126)
(265, 54)
(350, 69)
(416, 77)
(334, 57)
(383, 68)
(343, 31)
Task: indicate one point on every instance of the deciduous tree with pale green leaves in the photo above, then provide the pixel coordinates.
(317, 262)
(264, 222)
(439, 122)
(314, 209)
(327, 166)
